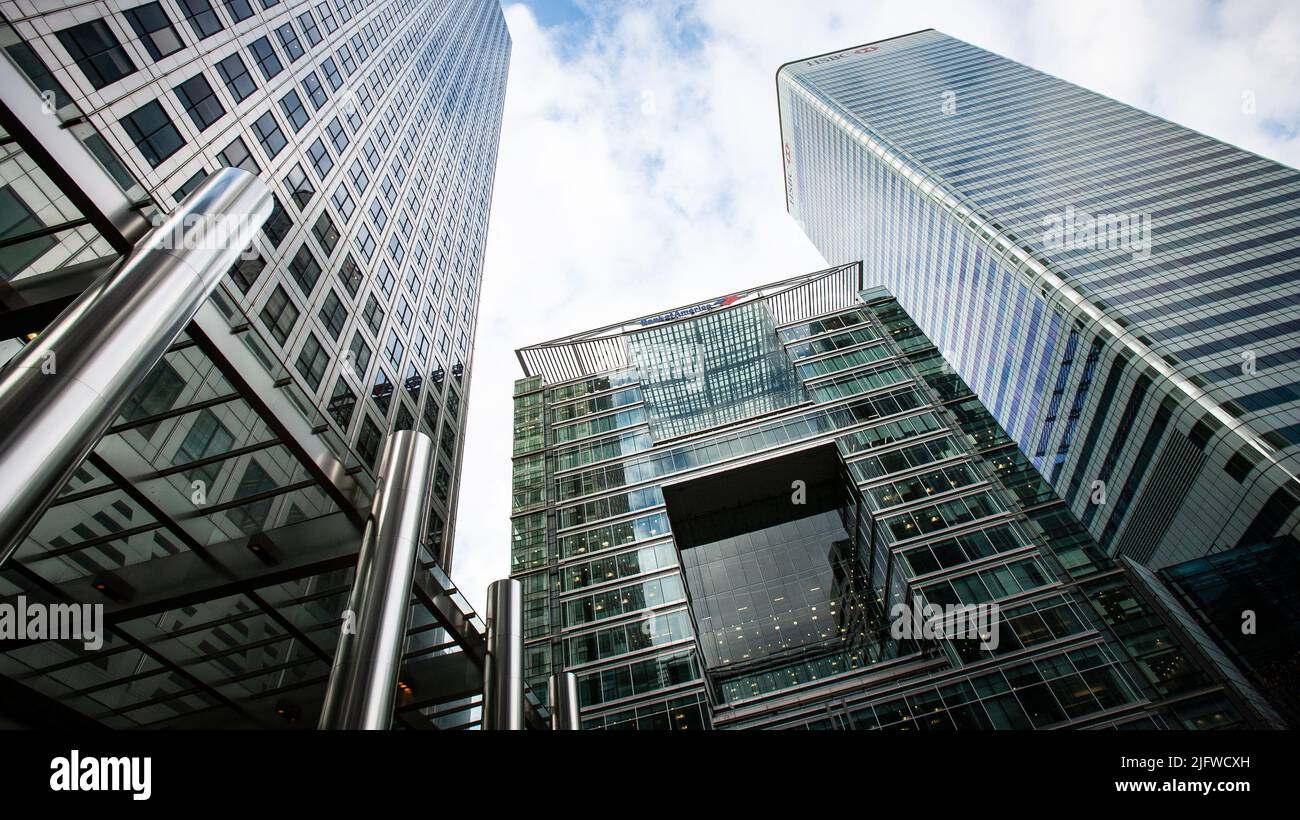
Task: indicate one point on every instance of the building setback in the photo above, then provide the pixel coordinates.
(717, 509)
(1118, 290)
(219, 518)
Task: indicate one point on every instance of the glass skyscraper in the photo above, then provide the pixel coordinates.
(1119, 291)
(717, 510)
(375, 126)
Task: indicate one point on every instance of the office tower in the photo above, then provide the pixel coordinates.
(717, 508)
(1119, 291)
(219, 518)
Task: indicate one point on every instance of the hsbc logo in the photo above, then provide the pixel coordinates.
(830, 58)
(789, 153)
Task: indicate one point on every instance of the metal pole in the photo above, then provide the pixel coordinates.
(363, 681)
(63, 390)
(562, 696)
(503, 669)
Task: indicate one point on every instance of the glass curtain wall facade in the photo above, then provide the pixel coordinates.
(741, 572)
(376, 126)
(1118, 290)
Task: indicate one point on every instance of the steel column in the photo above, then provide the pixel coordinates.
(61, 391)
(562, 692)
(503, 670)
(363, 680)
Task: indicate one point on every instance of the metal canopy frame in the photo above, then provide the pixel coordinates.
(604, 349)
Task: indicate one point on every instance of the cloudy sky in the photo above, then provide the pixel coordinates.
(640, 164)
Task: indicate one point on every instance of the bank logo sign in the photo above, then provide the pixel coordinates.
(682, 313)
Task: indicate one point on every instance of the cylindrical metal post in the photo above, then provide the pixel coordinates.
(503, 669)
(562, 692)
(62, 390)
(363, 681)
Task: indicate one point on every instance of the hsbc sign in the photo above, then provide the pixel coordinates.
(830, 58)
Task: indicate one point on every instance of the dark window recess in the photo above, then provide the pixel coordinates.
(200, 102)
(153, 132)
(293, 108)
(279, 314)
(236, 155)
(300, 188)
(342, 401)
(239, 10)
(1203, 431)
(236, 77)
(289, 41)
(350, 275)
(265, 57)
(203, 18)
(325, 232)
(1239, 466)
(278, 224)
(305, 269)
(333, 314)
(368, 441)
(155, 30)
(188, 186)
(268, 132)
(97, 52)
(246, 272)
(312, 360)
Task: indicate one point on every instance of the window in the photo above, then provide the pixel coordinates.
(337, 136)
(368, 440)
(345, 58)
(305, 269)
(97, 52)
(236, 77)
(239, 10)
(278, 224)
(343, 202)
(333, 314)
(246, 272)
(378, 215)
(293, 108)
(236, 155)
(265, 57)
(341, 403)
(350, 275)
(309, 28)
(203, 18)
(360, 180)
(279, 314)
(315, 91)
(382, 392)
(327, 17)
(200, 103)
(289, 41)
(359, 354)
(188, 186)
(269, 134)
(331, 72)
(373, 314)
(154, 28)
(312, 360)
(365, 242)
(394, 350)
(300, 188)
(325, 232)
(320, 159)
(153, 132)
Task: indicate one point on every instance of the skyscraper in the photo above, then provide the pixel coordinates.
(722, 512)
(258, 433)
(1118, 290)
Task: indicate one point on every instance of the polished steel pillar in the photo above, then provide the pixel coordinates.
(503, 670)
(62, 390)
(363, 682)
(562, 698)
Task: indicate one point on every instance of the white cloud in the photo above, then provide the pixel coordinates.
(639, 166)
